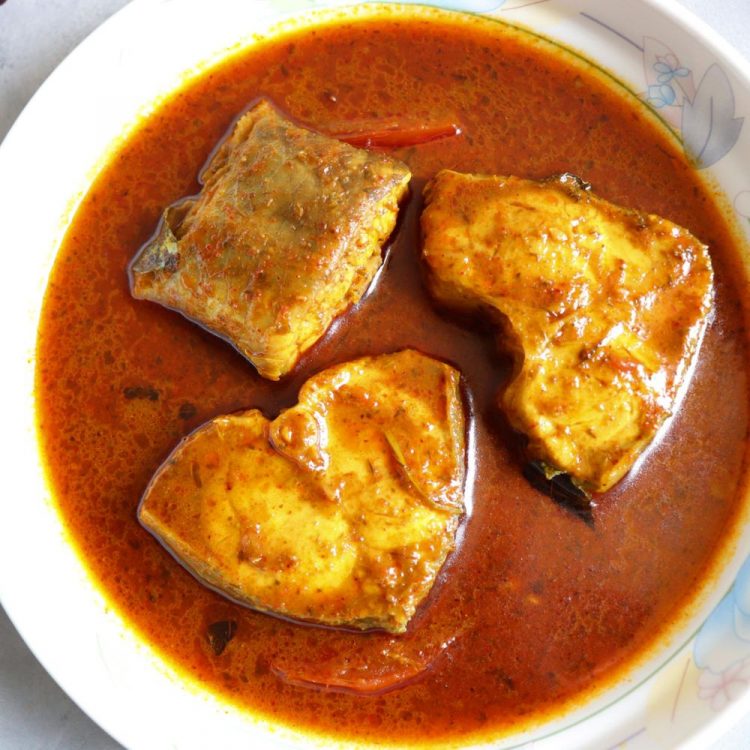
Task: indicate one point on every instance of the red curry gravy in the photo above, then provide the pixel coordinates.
(543, 606)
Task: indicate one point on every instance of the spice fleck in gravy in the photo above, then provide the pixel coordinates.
(539, 605)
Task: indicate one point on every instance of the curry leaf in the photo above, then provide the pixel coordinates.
(561, 488)
(220, 633)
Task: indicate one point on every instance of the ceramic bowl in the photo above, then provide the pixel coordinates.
(696, 681)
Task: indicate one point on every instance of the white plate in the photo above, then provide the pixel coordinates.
(46, 164)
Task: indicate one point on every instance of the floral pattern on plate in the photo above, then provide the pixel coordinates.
(703, 115)
(722, 647)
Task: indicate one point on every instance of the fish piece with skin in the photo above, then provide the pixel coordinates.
(341, 511)
(602, 307)
(285, 234)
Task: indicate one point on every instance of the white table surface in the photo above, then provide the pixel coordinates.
(35, 35)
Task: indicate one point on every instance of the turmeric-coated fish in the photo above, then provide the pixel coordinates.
(602, 307)
(341, 511)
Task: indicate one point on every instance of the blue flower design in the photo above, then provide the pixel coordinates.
(665, 72)
(661, 95)
(724, 639)
(709, 125)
